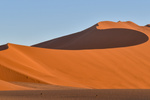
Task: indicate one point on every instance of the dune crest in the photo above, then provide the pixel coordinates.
(111, 25)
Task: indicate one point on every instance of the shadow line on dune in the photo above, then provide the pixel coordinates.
(97, 39)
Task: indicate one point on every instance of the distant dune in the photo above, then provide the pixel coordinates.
(148, 25)
(108, 55)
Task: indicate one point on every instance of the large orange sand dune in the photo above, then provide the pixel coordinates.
(108, 55)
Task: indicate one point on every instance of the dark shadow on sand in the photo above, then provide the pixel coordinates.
(96, 39)
(3, 47)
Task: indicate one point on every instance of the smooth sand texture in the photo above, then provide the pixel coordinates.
(108, 55)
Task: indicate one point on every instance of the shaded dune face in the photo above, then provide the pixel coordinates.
(3, 47)
(148, 25)
(97, 39)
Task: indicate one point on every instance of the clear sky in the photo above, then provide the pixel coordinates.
(27, 22)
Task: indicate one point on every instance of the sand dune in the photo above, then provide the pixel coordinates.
(108, 55)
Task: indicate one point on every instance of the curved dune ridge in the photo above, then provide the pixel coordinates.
(108, 55)
(97, 39)
(99, 36)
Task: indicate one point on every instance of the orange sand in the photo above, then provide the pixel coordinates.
(108, 55)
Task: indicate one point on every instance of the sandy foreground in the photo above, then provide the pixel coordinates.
(73, 94)
(108, 61)
(52, 92)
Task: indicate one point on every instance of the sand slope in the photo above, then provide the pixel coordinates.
(108, 55)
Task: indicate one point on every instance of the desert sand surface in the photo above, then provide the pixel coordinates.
(89, 94)
(108, 55)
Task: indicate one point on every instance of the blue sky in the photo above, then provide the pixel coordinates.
(28, 22)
